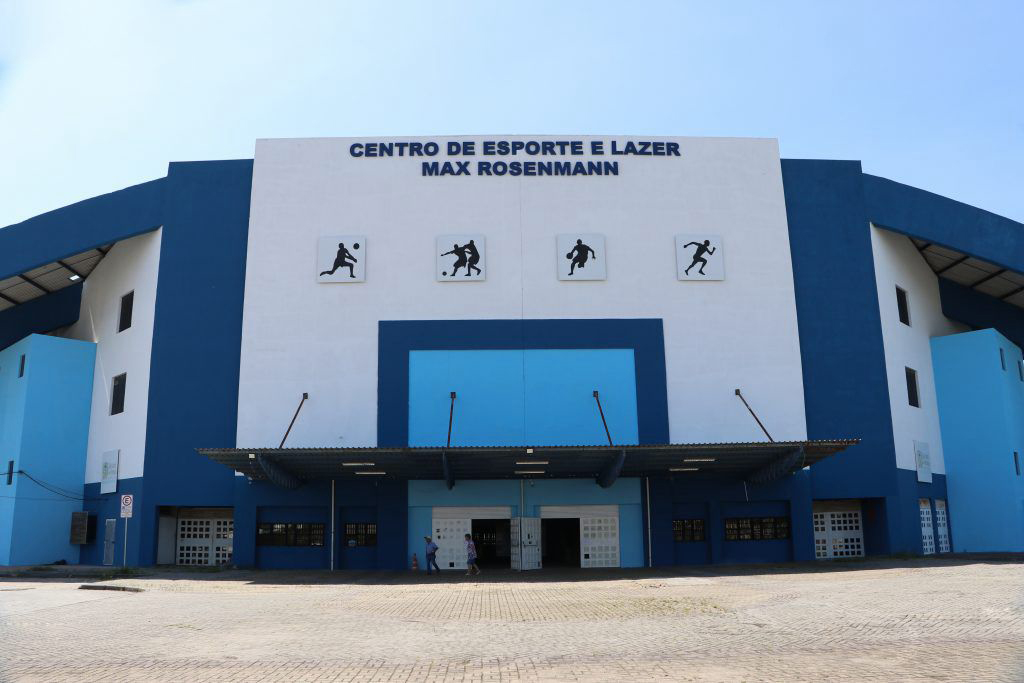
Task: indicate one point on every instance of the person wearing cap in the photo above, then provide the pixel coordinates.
(431, 553)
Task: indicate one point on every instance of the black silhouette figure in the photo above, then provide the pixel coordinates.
(460, 257)
(582, 252)
(702, 249)
(341, 261)
(474, 258)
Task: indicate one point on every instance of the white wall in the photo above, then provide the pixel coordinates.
(897, 262)
(299, 335)
(131, 265)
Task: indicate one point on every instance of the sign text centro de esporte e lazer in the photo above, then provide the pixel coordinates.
(528, 157)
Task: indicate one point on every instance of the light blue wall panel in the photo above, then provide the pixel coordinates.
(12, 416)
(57, 382)
(981, 410)
(539, 397)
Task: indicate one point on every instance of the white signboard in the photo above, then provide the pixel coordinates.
(108, 472)
(581, 256)
(924, 461)
(341, 258)
(460, 258)
(699, 257)
(127, 500)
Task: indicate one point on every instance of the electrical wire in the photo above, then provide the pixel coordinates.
(53, 488)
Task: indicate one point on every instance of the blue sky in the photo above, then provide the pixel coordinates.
(95, 96)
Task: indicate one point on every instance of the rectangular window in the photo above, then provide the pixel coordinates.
(1016, 462)
(1020, 370)
(687, 530)
(10, 472)
(757, 528)
(912, 397)
(124, 321)
(21, 366)
(1002, 359)
(359, 535)
(117, 394)
(300, 534)
(903, 306)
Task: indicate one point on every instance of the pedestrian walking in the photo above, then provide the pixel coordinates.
(431, 553)
(471, 567)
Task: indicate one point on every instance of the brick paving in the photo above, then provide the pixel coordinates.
(906, 620)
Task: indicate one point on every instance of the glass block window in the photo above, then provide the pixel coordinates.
(301, 534)
(687, 530)
(359, 534)
(757, 528)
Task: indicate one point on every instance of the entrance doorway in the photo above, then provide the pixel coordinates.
(560, 542)
(492, 539)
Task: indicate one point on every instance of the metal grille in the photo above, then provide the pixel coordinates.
(927, 535)
(599, 542)
(942, 525)
(838, 533)
(450, 537)
(205, 541)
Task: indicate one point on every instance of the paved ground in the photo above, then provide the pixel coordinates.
(937, 620)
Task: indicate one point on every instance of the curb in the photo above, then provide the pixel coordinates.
(101, 587)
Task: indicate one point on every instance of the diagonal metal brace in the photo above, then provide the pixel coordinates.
(778, 468)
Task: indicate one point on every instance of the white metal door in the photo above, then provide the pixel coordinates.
(927, 535)
(205, 540)
(599, 542)
(942, 524)
(109, 538)
(525, 543)
(450, 537)
(838, 531)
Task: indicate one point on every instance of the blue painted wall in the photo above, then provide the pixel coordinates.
(35, 524)
(41, 315)
(427, 494)
(981, 311)
(397, 339)
(981, 408)
(522, 397)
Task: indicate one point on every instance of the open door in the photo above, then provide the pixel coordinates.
(525, 541)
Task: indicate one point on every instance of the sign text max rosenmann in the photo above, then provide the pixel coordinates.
(530, 157)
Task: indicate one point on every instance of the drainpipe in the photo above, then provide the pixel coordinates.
(333, 515)
(647, 486)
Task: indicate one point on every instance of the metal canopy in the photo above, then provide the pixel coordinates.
(756, 462)
(974, 273)
(49, 278)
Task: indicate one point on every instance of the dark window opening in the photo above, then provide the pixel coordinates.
(1020, 370)
(124, 321)
(21, 366)
(1016, 464)
(912, 396)
(757, 528)
(10, 471)
(903, 305)
(298, 534)
(358, 535)
(687, 530)
(1002, 359)
(117, 392)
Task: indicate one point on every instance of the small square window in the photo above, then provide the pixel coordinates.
(21, 366)
(903, 306)
(912, 396)
(117, 392)
(1002, 358)
(124, 320)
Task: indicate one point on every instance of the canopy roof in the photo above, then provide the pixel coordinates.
(755, 462)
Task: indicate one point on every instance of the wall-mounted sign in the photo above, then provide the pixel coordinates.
(108, 471)
(581, 256)
(923, 459)
(460, 258)
(341, 258)
(700, 257)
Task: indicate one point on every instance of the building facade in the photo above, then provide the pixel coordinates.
(592, 352)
